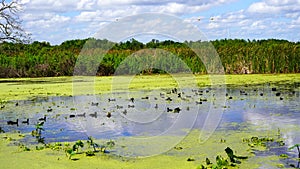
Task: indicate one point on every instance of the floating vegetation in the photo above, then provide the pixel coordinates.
(232, 160)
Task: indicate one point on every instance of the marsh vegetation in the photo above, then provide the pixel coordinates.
(257, 123)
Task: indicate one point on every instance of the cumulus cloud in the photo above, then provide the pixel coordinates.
(83, 18)
(275, 6)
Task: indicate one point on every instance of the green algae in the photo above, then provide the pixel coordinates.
(26, 88)
(191, 147)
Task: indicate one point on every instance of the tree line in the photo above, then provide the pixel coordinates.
(103, 57)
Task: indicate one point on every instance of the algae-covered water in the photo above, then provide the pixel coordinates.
(169, 124)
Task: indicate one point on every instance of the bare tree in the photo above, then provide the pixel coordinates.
(10, 23)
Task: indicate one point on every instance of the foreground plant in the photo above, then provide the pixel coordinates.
(296, 146)
(74, 150)
(91, 142)
(221, 162)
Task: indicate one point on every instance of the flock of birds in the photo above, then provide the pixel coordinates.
(169, 96)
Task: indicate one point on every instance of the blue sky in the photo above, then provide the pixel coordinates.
(56, 21)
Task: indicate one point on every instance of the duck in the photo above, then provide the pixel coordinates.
(177, 110)
(81, 115)
(119, 107)
(243, 92)
(168, 99)
(43, 118)
(13, 122)
(132, 100)
(94, 115)
(111, 100)
(108, 114)
(203, 100)
(198, 102)
(95, 104)
(26, 122)
(130, 106)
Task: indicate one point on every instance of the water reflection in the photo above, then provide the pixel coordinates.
(73, 118)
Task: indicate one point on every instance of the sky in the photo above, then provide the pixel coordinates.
(55, 21)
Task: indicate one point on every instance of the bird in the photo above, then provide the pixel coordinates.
(168, 99)
(49, 110)
(43, 118)
(95, 104)
(108, 114)
(72, 115)
(177, 110)
(13, 122)
(156, 106)
(119, 107)
(203, 100)
(145, 97)
(2, 106)
(94, 115)
(198, 102)
(132, 100)
(168, 109)
(130, 106)
(81, 115)
(111, 100)
(26, 122)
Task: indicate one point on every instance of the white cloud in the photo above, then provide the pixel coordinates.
(275, 6)
(83, 18)
(262, 7)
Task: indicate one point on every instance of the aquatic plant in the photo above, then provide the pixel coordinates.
(91, 142)
(38, 129)
(222, 162)
(71, 151)
(296, 146)
(1, 130)
(90, 153)
(110, 144)
(77, 145)
(256, 141)
(24, 148)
